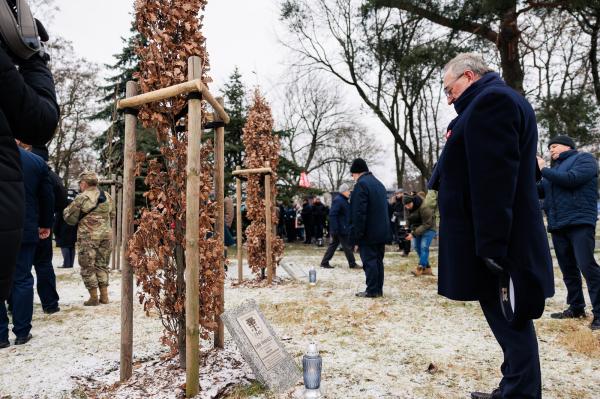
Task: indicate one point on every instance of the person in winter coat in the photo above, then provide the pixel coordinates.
(289, 217)
(569, 189)
(370, 227)
(28, 112)
(421, 220)
(319, 213)
(65, 235)
(39, 207)
(399, 227)
(339, 228)
(42, 261)
(491, 224)
(307, 220)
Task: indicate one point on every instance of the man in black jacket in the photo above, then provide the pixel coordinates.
(490, 222)
(39, 207)
(42, 261)
(28, 112)
(370, 225)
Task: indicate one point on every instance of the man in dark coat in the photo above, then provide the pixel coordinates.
(307, 220)
(42, 261)
(289, 216)
(569, 189)
(319, 213)
(28, 112)
(66, 235)
(39, 207)
(339, 228)
(370, 227)
(490, 221)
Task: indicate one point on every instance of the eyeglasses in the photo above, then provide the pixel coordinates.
(448, 89)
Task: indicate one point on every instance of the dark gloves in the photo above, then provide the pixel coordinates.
(497, 266)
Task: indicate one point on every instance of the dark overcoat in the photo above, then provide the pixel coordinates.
(39, 196)
(488, 202)
(28, 112)
(339, 216)
(369, 219)
(570, 190)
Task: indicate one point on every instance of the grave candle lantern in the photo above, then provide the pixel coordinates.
(311, 365)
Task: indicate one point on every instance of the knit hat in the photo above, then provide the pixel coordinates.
(359, 166)
(41, 151)
(407, 199)
(564, 140)
(343, 188)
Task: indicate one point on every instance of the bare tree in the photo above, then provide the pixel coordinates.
(76, 82)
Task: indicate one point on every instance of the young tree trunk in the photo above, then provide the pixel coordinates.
(180, 284)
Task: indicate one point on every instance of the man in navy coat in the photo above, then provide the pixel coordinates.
(570, 192)
(370, 225)
(339, 228)
(490, 219)
(39, 209)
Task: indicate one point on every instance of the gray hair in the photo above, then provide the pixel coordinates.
(344, 187)
(467, 62)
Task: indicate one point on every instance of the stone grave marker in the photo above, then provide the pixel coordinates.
(261, 348)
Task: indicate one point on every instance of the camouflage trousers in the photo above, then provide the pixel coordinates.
(94, 256)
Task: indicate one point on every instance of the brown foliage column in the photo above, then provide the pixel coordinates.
(261, 146)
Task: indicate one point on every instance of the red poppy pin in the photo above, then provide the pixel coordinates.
(448, 134)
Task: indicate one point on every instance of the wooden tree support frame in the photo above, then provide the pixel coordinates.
(267, 172)
(116, 192)
(133, 101)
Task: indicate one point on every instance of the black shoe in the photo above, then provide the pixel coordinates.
(366, 294)
(52, 310)
(4, 344)
(595, 324)
(569, 314)
(327, 266)
(23, 340)
(496, 394)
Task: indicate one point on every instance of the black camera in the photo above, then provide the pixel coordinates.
(20, 33)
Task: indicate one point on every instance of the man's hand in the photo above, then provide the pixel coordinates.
(409, 237)
(44, 233)
(356, 248)
(495, 265)
(541, 162)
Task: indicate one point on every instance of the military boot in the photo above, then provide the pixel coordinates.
(93, 301)
(104, 295)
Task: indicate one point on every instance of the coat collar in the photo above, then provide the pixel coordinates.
(363, 175)
(488, 79)
(565, 155)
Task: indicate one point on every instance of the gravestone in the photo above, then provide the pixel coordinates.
(261, 348)
(294, 271)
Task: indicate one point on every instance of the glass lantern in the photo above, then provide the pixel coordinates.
(311, 365)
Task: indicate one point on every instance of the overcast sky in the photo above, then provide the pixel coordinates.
(241, 33)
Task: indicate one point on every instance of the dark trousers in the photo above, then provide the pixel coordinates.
(318, 232)
(290, 229)
(308, 232)
(574, 247)
(372, 260)
(21, 296)
(521, 367)
(44, 273)
(68, 254)
(336, 240)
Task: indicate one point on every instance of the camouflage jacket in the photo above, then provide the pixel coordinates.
(95, 225)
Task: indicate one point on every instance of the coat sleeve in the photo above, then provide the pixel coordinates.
(493, 157)
(334, 214)
(358, 205)
(28, 99)
(584, 168)
(45, 199)
(72, 212)
(427, 220)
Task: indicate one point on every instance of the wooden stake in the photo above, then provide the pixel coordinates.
(127, 229)
(268, 227)
(192, 235)
(238, 172)
(113, 194)
(119, 221)
(219, 341)
(238, 226)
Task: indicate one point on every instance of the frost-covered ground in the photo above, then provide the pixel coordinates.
(372, 348)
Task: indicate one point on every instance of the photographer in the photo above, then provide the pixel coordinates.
(400, 229)
(29, 113)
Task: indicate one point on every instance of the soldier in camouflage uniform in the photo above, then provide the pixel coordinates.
(92, 211)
